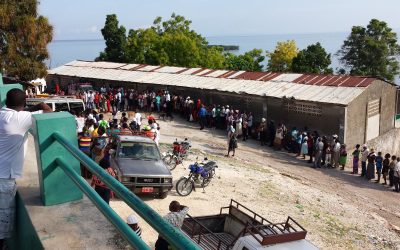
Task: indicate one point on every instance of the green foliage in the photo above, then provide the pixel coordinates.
(249, 61)
(371, 51)
(313, 59)
(23, 39)
(115, 37)
(170, 42)
(280, 60)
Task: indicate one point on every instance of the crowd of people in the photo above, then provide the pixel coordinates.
(320, 150)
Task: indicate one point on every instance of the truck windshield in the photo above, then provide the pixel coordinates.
(138, 150)
(76, 106)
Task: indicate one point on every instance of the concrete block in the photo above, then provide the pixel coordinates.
(55, 186)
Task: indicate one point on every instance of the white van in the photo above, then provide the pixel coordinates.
(59, 103)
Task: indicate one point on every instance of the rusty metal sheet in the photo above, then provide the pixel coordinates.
(279, 85)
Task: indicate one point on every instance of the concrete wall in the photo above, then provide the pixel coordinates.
(387, 143)
(328, 123)
(357, 111)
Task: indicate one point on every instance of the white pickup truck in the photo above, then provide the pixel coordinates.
(242, 229)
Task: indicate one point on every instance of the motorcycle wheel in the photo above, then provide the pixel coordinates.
(171, 161)
(184, 186)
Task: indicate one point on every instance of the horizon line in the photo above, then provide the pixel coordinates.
(231, 35)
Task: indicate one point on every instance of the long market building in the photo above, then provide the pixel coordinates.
(358, 109)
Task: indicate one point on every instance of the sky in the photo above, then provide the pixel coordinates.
(75, 20)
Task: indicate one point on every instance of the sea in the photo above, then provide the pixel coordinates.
(64, 51)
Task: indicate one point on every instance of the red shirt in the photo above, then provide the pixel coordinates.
(97, 182)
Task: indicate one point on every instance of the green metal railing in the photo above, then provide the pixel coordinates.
(174, 236)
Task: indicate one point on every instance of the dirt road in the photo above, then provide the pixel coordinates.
(339, 210)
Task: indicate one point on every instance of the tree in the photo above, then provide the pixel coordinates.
(371, 51)
(249, 61)
(313, 59)
(115, 37)
(169, 42)
(280, 60)
(24, 36)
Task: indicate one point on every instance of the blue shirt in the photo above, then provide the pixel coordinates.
(202, 112)
(378, 161)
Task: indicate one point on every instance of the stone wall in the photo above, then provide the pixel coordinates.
(387, 143)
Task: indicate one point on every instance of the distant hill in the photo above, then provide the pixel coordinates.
(226, 47)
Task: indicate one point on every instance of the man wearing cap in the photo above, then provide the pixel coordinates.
(175, 217)
(133, 223)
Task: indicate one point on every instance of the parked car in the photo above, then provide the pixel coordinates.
(59, 103)
(139, 165)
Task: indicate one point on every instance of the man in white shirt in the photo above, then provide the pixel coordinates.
(138, 119)
(167, 96)
(14, 125)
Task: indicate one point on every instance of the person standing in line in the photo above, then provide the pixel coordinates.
(304, 147)
(396, 176)
(385, 169)
(262, 129)
(328, 157)
(326, 145)
(134, 224)
(175, 217)
(310, 145)
(336, 153)
(392, 165)
(371, 165)
(245, 126)
(364, 157)
(356, 159)
(249, 124)
(278, 137)
(202, 116)
(378, 163)
(15, 121)
(158, 102)
(90, 100)
(343, 156)
(318, 153)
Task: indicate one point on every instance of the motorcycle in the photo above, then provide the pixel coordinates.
(200, 173)
(180, 151)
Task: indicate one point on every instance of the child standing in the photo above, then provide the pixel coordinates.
(378, 164)
(356, 159)
(385, 169)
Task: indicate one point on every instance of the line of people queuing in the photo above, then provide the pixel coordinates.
(321, 151)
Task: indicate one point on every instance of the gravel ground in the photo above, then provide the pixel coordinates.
(339, 210)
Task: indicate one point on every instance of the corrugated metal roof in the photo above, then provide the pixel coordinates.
(266, 84)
